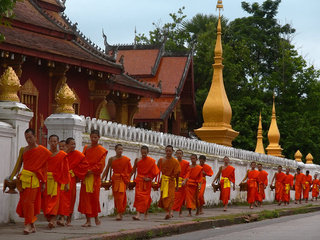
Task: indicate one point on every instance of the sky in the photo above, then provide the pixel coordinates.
(119, 18)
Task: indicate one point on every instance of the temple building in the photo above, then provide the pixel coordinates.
(175, 110)
(46, 50)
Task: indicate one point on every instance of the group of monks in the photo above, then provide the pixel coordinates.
(49, 177)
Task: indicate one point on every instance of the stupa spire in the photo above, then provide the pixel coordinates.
(259, 146)
(274, 135)
(216, 110)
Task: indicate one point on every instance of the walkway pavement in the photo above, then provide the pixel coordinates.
(111, 229)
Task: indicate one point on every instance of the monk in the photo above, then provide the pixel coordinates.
(262, 184)
(315, 187)
(33, 176)
(306, 184)
(193, 183)
(121, 167)
(89, 203)
(62, 145)
(57, 174)
(252, 182)
(147, 170)
(298, 182)
(170, 170)
(180, 194)
(227, 175)
(78, 168)
(206, 171)
(288, 184)
(279, 184)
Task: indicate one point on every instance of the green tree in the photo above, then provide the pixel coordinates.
(6, 13)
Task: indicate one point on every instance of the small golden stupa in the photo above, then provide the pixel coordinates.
(217, 112)
(259, 146)
(65, 99)
(309, 159)
(298, 156)
(9, 86)
(274, 135)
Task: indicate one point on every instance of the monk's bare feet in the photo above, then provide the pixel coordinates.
(33, 228)
(146, 217)
(97, 221)
(119, 217)
(61, 223)
(27, 229)
(87, 224)
(167, 217)
(189, 215)
(51, 225)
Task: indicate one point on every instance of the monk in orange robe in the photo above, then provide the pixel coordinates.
(147, 170)
(170, 170)
(32, 177)
(315, 187)
(121, 167)
(252, 182)
(298, 185)
(62, 146)
(78, 168)
(206, 171)
(89, 203)
(306, 185)
(227, 175)
(193, 183)
(57, 174)
(262, 184)
(279, 179)
(180, 194)
(288, 184)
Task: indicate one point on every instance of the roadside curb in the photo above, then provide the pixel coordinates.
(195, 225)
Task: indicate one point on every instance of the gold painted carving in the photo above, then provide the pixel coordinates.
(9, 86)
(65, 99)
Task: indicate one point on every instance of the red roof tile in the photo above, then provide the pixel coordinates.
(152, 109)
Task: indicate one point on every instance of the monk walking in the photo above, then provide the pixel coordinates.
(78, 168)
(180, 194)
(57, 174)
(288, 184)
(62, 145)
(170, 170)
(298, 185)
(33, 175)
(252, 182)
(262, 184)
(306, 185)
(227, 175)
(279, 178)
(121, 167)
(193, 183)
(147, 170)
(206, 171)
(315, 187)
(89, 203)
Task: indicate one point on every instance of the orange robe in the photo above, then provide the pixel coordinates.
(170, 170)
(89, 203)
(252, 185)
(59, 168)
(298, 185)
(35, 161)
(180, 195)
(288, 183)
(195, 177)
(208, 171)
(279, 186)
(78, 168)
(227, 176)
(146, 168)
(315, 188)
(306, 186)
(262, 182)
(122, 169)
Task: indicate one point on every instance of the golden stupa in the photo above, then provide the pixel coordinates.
(9, 86)
(259, 146)
(309, 159)
(216, 110)
(65, 98)
(274, 135)
(298, 156)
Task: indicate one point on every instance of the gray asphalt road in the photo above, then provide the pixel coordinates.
(302, 227)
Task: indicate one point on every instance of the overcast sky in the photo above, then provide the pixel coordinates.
(118, 18)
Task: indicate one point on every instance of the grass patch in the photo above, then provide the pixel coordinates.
(268, 214)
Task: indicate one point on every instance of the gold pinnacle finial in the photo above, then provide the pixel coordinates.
(298, 156)
(65, 98)
(309, 159)
(259, 146)
(219, 6)
(9, 86)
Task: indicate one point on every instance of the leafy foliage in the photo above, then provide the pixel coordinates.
(6, 7)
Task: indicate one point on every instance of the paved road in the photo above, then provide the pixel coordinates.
(303, 226)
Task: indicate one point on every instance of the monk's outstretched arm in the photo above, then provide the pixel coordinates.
(106, 171)
(217, 176)
(245, 178)
(274, 176)
(134, 169)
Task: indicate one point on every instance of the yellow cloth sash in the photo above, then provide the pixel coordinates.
(119, 184)
(165, 186)
(72, 175)
(88, 181)
(287, 188)
(226, 182)
(52, 185)
(180, 182)
(29, 179)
